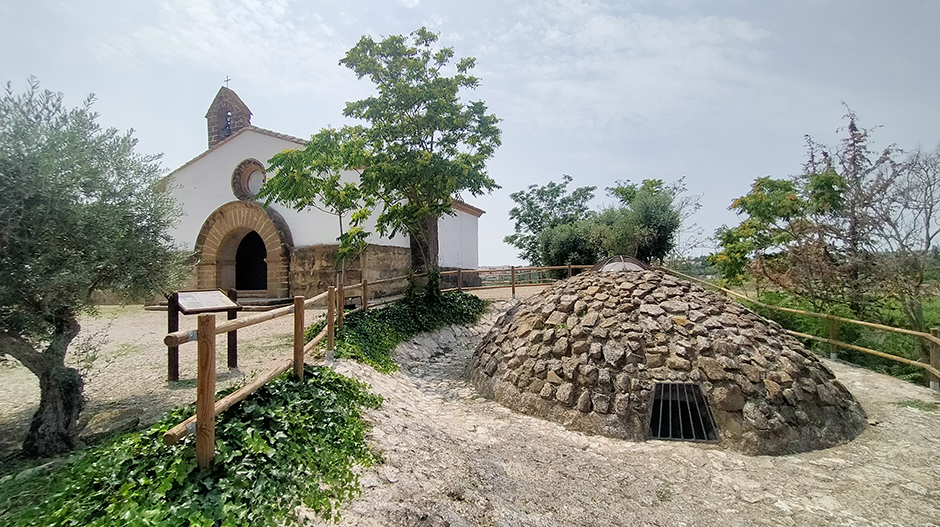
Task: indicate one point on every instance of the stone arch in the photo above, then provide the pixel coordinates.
(219, 239)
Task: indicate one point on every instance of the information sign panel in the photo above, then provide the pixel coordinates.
(193, 302)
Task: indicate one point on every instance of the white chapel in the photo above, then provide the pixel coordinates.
(276, 252)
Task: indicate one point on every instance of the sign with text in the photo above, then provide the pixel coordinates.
(193, 302)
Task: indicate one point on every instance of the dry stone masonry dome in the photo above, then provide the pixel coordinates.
(604, 352)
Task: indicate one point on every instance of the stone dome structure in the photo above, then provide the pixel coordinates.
(590, 351)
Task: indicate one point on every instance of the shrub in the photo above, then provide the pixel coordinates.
(289, 444)
(370, 337)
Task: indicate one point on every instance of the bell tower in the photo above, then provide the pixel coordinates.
(227, 114)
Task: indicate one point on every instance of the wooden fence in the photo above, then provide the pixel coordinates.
(203, 423)
(933, 338)
(207, 408)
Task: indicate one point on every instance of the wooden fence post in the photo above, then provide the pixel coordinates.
(365, 295)
(173, 325)
(299, 337)
(341, 304)
(205, 392)
(935, 360)
(569, 269)
(330, 315)
(233, 335)
(459, 279)
(833, 336)
(512, 279)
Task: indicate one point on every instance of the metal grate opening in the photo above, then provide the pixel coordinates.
(680, 412)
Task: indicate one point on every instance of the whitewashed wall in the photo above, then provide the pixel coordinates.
(459, 241)
(206, 185)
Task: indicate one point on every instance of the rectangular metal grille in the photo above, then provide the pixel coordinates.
(680, 412)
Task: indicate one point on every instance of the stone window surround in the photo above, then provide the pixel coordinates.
(240, 178)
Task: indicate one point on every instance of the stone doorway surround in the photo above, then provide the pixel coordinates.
(218, 241)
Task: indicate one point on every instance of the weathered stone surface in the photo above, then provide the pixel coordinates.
(590, 319)
(728, 398)
(614, 354)
(594, 346)
(557, 318)
(601, 403)
(584, 402)
(711, 368)
(675, 306)
(560, 348)
(565, 394)
(677, 363)
(652, 310)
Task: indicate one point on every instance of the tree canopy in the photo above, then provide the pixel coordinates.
(856, 226)
(80, 211)
(423, 147)
(543, 207)
(555, 227)
(313, 178)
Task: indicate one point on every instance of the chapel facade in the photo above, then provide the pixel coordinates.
(275, 252)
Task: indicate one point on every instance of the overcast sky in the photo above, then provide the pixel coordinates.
(719, 92)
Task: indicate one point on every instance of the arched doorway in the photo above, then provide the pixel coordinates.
(251, 271)
(244, 246)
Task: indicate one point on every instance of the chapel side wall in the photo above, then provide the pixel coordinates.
(458, 241)
(313, 269)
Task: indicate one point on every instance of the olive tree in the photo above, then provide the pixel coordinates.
(80, 211)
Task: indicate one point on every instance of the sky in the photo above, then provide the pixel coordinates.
(716, 92)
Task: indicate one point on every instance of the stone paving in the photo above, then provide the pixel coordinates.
(453, 458)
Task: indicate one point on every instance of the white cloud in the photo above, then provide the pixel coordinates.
(584, 62)
(255, 41)
(409, 3)
(435, 21)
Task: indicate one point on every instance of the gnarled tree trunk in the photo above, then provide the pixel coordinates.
(53, 429)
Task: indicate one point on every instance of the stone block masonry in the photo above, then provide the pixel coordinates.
(588, 351)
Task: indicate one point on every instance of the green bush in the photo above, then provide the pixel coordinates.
(370, 337)
(289, 444)
(887, 312)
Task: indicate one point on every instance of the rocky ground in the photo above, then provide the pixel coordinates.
(453, 458)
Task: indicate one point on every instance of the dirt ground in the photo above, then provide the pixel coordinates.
(452, 458)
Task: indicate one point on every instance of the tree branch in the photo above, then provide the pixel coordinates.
(22, 351)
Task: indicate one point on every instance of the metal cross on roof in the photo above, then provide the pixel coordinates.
(226, 80)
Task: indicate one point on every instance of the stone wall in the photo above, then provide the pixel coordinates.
(588, 351)
(313, 268)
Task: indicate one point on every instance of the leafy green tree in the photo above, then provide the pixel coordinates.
(425, 148)
(568, 243)
(312, 178)
(80, 211)
(654, 218)
(539, 208)
(816, 235)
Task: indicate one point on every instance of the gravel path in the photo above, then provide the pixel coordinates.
(452, 458)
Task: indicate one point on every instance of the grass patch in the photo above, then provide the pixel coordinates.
(919, 405)
(289, 444)
(371, 337)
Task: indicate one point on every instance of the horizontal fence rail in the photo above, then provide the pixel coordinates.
(207, 409)
(934, 341)
(203, 423)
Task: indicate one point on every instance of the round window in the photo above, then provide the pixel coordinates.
(247, 179)
(255, 180)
